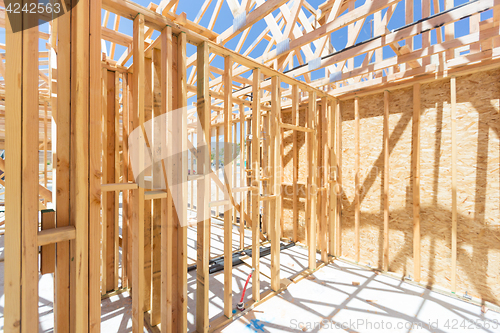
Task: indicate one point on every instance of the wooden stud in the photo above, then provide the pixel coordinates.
(110, 209)
(148, 205)
(386, 180)
(95, 129)
(242, 174)
(192, 173)
(133, 204)
(203, 191)
(453, 92)
(166, 204)
(234, 152)
(356, 176)
(311, 181)
(182, 247)
(416, 181)
(275, 181)
(332, 135)
(338, 147)
(323, 179)
(217, 163)
(228, 179)
(155, 314)
(295, 159)
(79, 207)
(248, 166)
(13, 183)
(61, 176)
(29, 149)
(255, 146)
(265, 165)
(105, 196)
(125, 171)
(138, 280)
(116, 232)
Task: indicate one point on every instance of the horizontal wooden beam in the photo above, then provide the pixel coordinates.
(151, 195)
(55, 235)
(118, 187)
(296, 128)
(219, 203)
(115, 37)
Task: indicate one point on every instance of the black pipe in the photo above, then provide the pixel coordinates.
(217, 264)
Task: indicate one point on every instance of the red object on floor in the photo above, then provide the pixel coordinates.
(245, 287)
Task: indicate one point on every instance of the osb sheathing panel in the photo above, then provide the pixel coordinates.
(347, 196)
(371, 166)
(478, 183)
(435, 183)
(400, 187)
(478, 261)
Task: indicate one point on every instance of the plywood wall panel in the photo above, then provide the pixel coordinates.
(400, 187)
(371, 166)
(478, 257)
(435, 183)
(347, 197)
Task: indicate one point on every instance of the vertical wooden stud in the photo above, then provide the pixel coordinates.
(295, 159)
(386, 180)
(155, 314)
(416, 181)
(138, 280)
(203, 191)
(332, 133)
(256, 184)
(166, 203)
(275, 181)
(242, 175)
(79, 209)
(356, 176)
(105, 196)
(95, 168)
(62, 180)
(13, 183)
(453, 85)
(322, 179)
(311, 181)
(182, 247)
(228, 180)
(117, 168)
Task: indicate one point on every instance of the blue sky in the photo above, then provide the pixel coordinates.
(225, 20)
(338, 38)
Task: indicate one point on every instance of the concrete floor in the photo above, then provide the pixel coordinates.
(328, 302)
(379, 304)
(117, 310)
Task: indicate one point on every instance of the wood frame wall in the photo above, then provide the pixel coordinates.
(154, 230)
